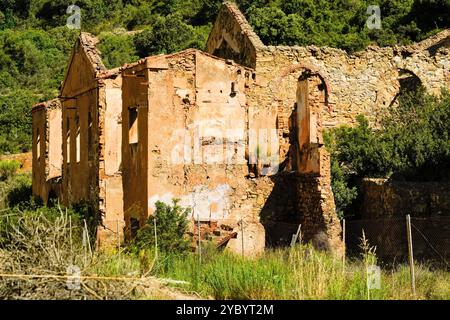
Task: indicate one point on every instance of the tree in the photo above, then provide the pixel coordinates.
(168, 34)
(412, 144)
(171, 227)
(117, 50)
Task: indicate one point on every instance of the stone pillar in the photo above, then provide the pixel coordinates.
(320, 224)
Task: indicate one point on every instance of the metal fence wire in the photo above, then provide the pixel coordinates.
(430, 239)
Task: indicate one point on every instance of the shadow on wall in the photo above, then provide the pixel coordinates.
(302, 193)
(295, 199)
(279, 213)
(409, 82)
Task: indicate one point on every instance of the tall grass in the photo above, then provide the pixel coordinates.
(298, 273)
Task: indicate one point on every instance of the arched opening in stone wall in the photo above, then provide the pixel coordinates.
(301, 192)
(311, 97)
(408, 82)
(302, 98)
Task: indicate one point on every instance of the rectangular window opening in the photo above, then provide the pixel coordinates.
(68, 140)
(90, 140)
(78, 142)
(133, 125)
(38, 145)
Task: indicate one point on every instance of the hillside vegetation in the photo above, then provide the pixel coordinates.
(412, 144)
(35, 44)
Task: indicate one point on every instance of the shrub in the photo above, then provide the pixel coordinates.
(171, 227)
(413, 143)
(20, 193)
(8, 168)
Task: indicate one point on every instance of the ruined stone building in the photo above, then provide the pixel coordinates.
(234, 132)
(79, 137)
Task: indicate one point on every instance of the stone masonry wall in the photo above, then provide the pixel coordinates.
(383, 198)
(233, 38)
(366, 82)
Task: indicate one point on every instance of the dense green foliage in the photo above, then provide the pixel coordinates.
(8, 169)
(117, 49)
(32, 64)
(15, 189)
(171, 226)
(413, 143)
(342, 23)
(35, 44)
(169, 34)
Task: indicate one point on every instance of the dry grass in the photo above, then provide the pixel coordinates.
(48, 240)
(38, 247)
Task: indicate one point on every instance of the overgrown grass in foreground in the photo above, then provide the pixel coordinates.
(46, 241)
(29, 247)
(300, 273)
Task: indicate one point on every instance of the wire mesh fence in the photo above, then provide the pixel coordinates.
(430, 239)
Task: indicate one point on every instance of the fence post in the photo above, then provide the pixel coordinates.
(242, 236)
(70, 235)
(88, 238)
(343, 242)
(296, 236)
(411, 254)
(118, 237)
(156, 239)
(199, 239)
(84, 243)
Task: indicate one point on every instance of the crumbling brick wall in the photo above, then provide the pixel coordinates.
(192, 129)
(91, 146)
(46, 146)
(110, 190)
(198, 110)
(233, 38)
(362, 83)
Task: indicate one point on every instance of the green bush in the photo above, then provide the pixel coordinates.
(8, 168)
(17, 192)
(412, 144)
(171, 227)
